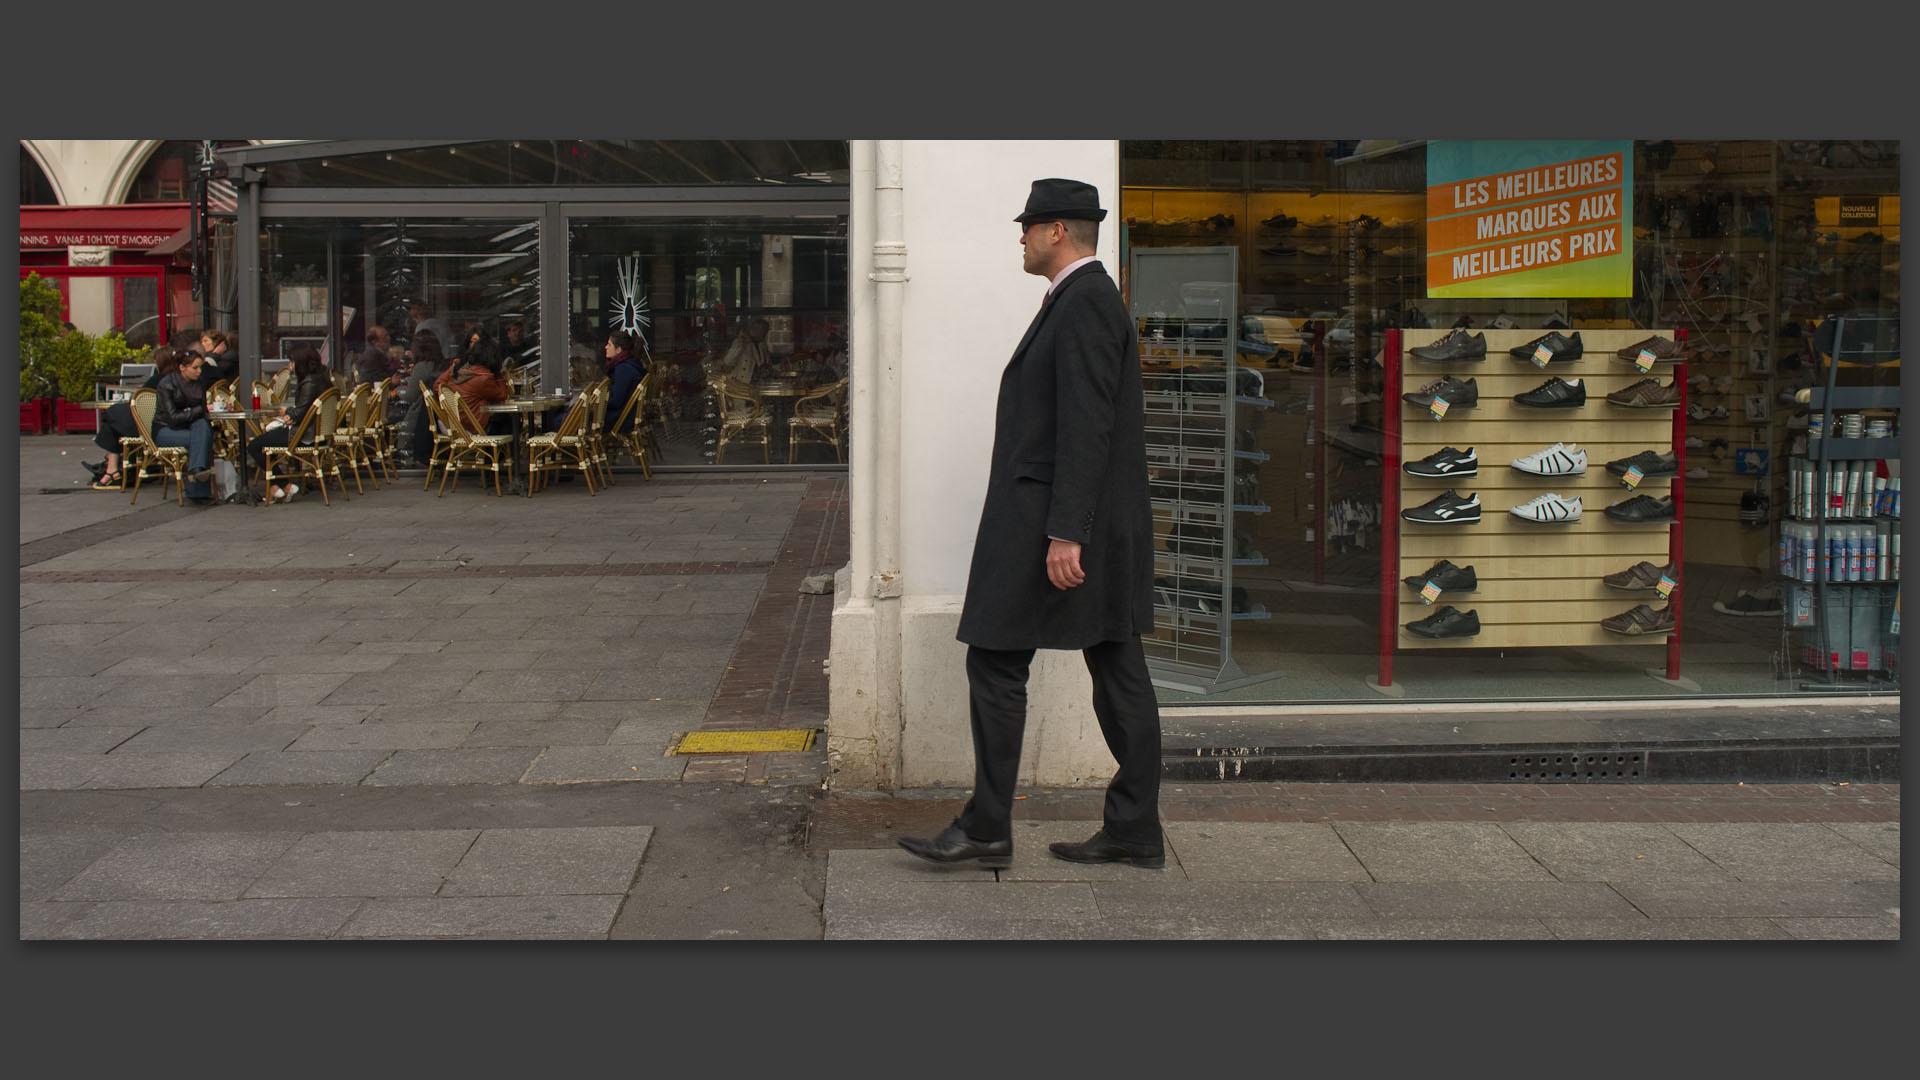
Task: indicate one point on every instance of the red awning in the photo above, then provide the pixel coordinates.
(133, 225)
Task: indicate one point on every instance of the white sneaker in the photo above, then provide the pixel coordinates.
(1548, 507)
(1694, 443)
(1560, 459)
(1697, 473)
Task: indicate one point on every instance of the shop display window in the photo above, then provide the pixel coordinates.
(1741, 254)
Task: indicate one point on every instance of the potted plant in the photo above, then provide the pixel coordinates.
(40, 330)
(78, 360)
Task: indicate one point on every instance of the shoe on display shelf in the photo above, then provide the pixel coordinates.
(1560, 459)
(1445, 576)
(1446, 508)
(1664, 350)
(1641, 619)
(1448, 622)
(1555, 393)
(1642, 508)
(1698, 472)
(1652, 464)
(1748, 603)
(1445, 462)
(1694, 442)
(1648, 394)
(1560, 347)
(1457, 394)
(1458, 345)
(1700, 383)
(1754, 508)
(1548, 508)
(1640, 577)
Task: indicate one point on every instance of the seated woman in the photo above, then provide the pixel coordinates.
(477, 379)
(312, 381)
(116, 423)
(625, 370)
(180, 419)
(223, 359)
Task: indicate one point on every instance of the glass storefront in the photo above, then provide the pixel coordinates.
(758, 299)
(723, 258)
(451, 277)
(1267, 279)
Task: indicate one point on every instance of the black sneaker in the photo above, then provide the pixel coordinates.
(1447, 508)
(1651, 463)
(1449, 621)
(1445, 462)
(1642, 508)
(1445, 575)
(1458, 345)
(1560, 347)
(1555, 393)
(1457, 394)
(1754, 507)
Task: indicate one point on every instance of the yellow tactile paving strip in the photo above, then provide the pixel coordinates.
(741, 742)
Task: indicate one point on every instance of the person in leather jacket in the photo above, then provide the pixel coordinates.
(180, 419)
(477, 379)
(116, 423)
(311, 380)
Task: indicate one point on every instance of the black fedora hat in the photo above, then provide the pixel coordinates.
(1054, 199)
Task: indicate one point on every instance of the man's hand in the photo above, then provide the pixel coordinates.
(1063, 564)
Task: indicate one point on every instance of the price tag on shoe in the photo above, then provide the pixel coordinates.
(1438, 408)
(1429, 593)
(1645, 361)
(1666, 586)
(1541, 354)
(1633, 477)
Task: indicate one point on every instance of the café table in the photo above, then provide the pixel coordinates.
(520, 408)
(783, 390)
(242, 436)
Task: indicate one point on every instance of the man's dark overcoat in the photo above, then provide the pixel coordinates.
(1069, 462)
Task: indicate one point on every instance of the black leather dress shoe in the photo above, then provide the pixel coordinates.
(1458, 345)
(1100, 848)
(1555, 393)
(1560, 347)
(954, 845)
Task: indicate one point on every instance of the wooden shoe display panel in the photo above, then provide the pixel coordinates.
(1539, 583)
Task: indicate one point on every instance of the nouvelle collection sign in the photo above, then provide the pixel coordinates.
(1514, 218)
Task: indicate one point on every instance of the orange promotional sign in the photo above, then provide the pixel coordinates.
(1511, 219)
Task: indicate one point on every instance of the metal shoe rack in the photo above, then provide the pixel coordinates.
(1844, 602)
(1539, 584)
(1200, 411)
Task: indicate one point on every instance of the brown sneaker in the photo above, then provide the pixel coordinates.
(1639, 576)
(1648, 394)
(1641, 619)
(1665, 350)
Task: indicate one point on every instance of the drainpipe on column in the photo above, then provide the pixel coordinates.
(872, 724)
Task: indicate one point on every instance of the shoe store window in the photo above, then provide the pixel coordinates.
(1672, 492)
(758, 301)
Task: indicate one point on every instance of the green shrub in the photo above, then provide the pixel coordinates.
(53, 363)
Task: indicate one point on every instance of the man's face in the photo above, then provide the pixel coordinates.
(1037, 243)
(513, 335)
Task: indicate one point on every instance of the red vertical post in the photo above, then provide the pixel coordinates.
(1389, 506)
(1321, 442)
(1679, 490)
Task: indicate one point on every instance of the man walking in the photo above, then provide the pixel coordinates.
(1064, 554)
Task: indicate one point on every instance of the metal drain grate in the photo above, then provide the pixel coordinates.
(1619, 765)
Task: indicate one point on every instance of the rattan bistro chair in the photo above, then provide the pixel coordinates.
(743, 417)
(632, 439)
(316, 459)
(350, 437)
(816, 416)
(561, 448)
(169, 462)
(470, 448)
